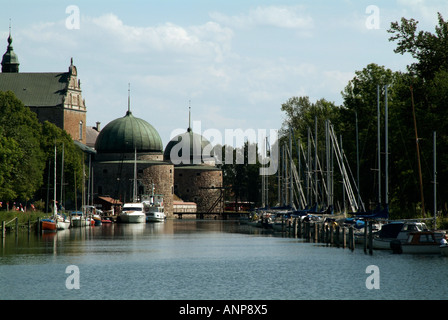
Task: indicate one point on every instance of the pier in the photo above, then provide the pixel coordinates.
(329, 233)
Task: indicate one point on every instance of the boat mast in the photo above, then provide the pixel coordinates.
(55, 210)
(379, 142)
(134, 193)
(62, 175)
(418, 155)
(386, 146)
(435, 179)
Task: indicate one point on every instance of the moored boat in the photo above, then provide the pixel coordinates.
(62, 222)
(132, 213)
(154, 209)
(422, 242)
(396, 230)
(48, 225)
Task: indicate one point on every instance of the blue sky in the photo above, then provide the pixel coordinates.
(236, 61)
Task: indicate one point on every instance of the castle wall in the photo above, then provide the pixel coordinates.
(199, 184)
(115, 179)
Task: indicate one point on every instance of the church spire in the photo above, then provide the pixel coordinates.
(189, 116)
(129, 100)
(10, 62)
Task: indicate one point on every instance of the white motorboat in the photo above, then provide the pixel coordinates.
(132, 213)
(422, 242)
(155, 214)
(62, 222)
(153, 207)
(397, 230)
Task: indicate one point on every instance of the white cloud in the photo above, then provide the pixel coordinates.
(424, 10)
(208, 39)
(290, 17)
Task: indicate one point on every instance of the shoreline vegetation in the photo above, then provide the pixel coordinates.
(27, 220)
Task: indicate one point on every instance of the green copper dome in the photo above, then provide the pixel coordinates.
(192, 143)
(126, 134)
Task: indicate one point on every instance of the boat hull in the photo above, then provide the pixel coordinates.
(132, 218)
(444, 250)
(63, 225)
(48, 225)
(421, 249)
(155, 217)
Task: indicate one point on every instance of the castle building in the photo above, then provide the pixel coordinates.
(53, 96)
(130, 148)
(196, 177)
(126, 150)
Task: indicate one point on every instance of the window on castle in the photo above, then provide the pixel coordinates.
(80, 130)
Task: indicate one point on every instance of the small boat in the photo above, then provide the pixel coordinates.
(97, 220)
(106, 221)
(48, 225)
(78, 219)
(396, 230)
(62, 223)
(153, 207)
(155, 211)
(132, 213)
(444, 250)
(418, 242)
(155, 214)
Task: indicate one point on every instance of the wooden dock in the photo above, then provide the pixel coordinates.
(328, 233)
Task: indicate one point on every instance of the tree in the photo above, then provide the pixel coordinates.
(428, 77)
(24, 159)
(243, 179)
(73, 157)
(360, 108)
(430, 50)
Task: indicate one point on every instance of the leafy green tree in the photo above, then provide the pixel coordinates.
(428, 78)
(24, 160)
(427, 48)
(72, 162)
(303, 116)
(10, 155)
(242, 179)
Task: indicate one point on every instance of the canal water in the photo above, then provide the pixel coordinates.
(206, 260)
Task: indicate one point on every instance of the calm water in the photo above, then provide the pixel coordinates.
(206, 259)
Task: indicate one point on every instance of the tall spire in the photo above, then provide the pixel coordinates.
(10, 62)
(189, 116)
(129, 99)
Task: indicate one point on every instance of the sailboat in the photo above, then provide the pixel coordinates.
(57, 222)
(62, 222)
(133, 212)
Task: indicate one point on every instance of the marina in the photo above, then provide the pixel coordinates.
(206, 259)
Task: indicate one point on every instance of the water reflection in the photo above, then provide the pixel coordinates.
(203, 259)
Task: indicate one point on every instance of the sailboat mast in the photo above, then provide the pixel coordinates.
(134, 195)
(435, 179)
(386, 146)
(62, 175)
(54, 188)
(418, 155)
(379, 142)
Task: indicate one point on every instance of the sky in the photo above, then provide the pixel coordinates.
(233, 62)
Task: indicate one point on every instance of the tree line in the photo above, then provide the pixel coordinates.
(417, 101)
(27, 157)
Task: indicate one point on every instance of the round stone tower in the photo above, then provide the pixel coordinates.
(196, 178)
(129, 148)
